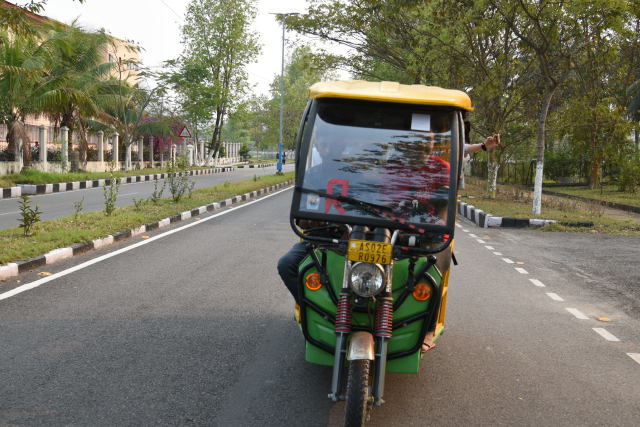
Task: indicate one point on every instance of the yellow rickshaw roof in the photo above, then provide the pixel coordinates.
(391, 92)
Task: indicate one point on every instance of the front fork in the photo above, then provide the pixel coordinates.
(383, 333)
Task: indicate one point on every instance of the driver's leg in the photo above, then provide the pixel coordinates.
(288, 267)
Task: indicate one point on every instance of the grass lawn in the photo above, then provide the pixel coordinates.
(37, 177)
(64, 232)
(517, 202)
(609, 193)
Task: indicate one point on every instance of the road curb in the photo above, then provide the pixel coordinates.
(485, 220)
(14, 268)
(37, 189)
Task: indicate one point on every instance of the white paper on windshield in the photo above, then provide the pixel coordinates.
(421, 122)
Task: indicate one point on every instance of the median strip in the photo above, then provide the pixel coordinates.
(17, 267)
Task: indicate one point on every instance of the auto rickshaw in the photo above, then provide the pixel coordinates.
(378, 163)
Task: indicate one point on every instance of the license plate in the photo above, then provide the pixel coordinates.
(367, 251)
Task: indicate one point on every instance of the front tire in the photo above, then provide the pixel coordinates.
(358, 393)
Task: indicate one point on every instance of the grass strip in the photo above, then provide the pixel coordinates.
(609, 193)
(64, 232)
(517, 202)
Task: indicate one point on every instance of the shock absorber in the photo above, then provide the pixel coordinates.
(343, 314)
(384, 318)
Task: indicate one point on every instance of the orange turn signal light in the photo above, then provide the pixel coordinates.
(421, 291)
(313, 281)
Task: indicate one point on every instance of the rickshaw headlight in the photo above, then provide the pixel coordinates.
(366, 279)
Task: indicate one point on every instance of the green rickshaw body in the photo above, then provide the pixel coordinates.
(403, 338)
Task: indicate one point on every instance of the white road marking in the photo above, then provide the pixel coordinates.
(63, 273)
(537, 282)
(489, 247)
(507, 260)
(634, 356)
(458, 225)
(9, 213)
(481, 241)
(554, 297)
(473, 235)
(497, 253)
(521, 270)
(577, 313)
(606, 334)
(466, 231)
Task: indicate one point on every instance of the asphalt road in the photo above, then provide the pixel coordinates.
(193, 327)
(58, 205)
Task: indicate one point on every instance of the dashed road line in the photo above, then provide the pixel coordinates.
(481, 241)
(634, 356)
(577, 313)
(465, 230)
(489, 247)
(507, 260)
(537, 283)
(473, 235)
(554, 297)
(606, 334)
(521, 270)
(497, 253)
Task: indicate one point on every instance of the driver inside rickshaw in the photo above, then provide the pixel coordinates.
(416, 185)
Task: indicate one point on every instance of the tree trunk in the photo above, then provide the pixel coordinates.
(594, 176)
(542, 121)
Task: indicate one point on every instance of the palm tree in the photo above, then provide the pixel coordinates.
(26, 87)
(83, 65)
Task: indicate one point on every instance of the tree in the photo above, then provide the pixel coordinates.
(81, 65)
(302, 70)
(555, 32)
(26, 87)
(217, 36)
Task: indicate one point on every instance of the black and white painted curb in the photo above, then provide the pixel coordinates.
(37, 189)
(485, 220)
(15, 268)
(264, 165)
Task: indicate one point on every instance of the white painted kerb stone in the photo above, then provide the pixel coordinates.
(97, 244)
(8, 270)
(58, 254)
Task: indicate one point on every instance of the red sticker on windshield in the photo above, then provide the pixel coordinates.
(345, 187)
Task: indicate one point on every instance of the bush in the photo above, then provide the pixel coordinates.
(559, 163)
(629, 175)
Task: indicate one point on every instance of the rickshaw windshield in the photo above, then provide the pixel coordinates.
(392, 158)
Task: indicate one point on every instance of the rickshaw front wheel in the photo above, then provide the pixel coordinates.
(358, 399)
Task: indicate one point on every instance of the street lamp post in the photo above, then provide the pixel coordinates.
(282, 91)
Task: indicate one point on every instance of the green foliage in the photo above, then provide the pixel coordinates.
(226, 184)
(78, 207)
(302, 70)
(255, 177)
(178, 178)
(629, 178)
(559, 163)
(244, 151)
(219, 43)
(29, 216)
(156, 196)
(111, 192)
(138, 204)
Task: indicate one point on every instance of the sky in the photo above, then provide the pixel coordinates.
(155, 26)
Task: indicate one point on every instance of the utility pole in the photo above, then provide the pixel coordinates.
(282, 90)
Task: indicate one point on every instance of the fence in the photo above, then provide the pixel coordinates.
(521, 173)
